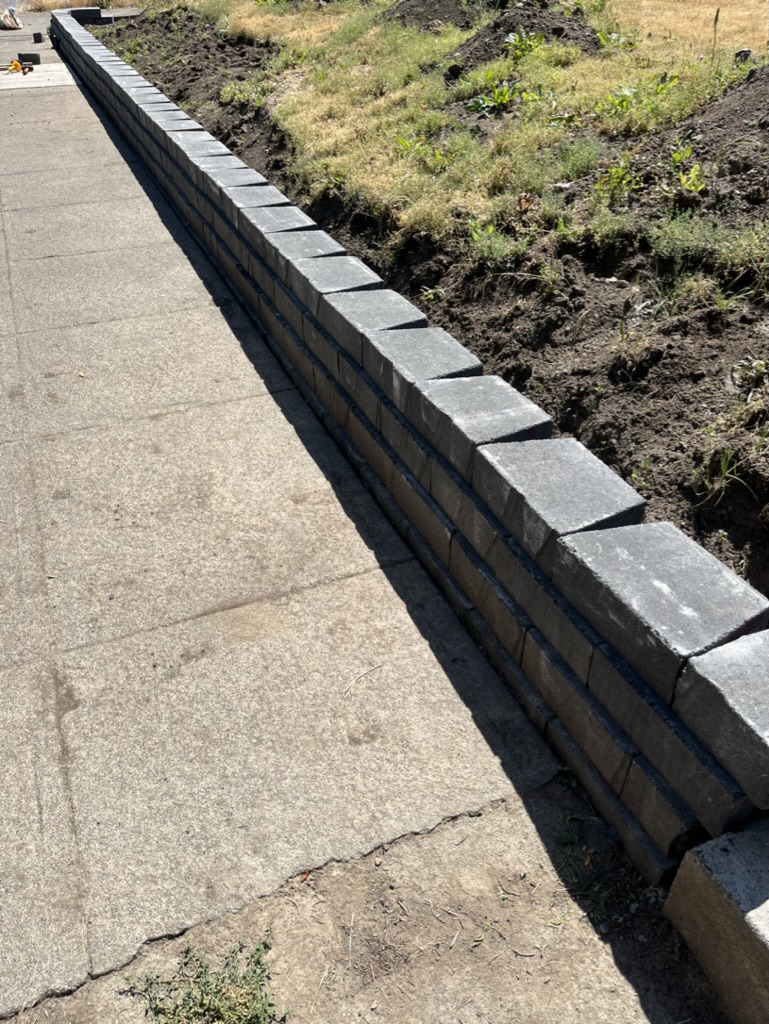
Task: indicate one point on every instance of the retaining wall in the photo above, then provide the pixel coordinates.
(643, 659)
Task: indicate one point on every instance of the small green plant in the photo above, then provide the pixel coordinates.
(720, 472)
(615, 40)
(197, 994)
(693, 180)
(431, 295)
(617, 183)
(429, 158)
(496, 100)
(680, 153)
(751, 376)
(518, 44)
(639, 475)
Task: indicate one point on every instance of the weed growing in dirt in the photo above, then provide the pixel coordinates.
(719, 473)
(617, 183)
(238, 993)
(499, 97)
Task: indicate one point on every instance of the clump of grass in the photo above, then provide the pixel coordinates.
(238, 993)
(738, 255)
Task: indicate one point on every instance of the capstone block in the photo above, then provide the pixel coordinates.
(656, 596)
(458, 414)
(396, 359)
(348, 316)
(248, 197)
(196, 144)
(543, 490)
(286, 247)
(723, 696)
(313, 278)
(257, 223)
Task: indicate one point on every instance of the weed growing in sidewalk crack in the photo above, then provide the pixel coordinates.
(238, 993)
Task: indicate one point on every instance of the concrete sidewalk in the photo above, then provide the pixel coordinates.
(219, 665)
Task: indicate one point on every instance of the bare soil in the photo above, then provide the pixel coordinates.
(525, 912)
(647, 383)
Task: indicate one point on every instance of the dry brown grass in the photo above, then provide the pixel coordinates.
(689, 23)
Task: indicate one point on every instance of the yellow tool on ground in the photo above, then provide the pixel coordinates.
(16, 66)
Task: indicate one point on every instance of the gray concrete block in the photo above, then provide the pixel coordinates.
(422, 511)
(512, 673)
(204, 170)
(195, 144)
(321, 343)
(543, 490)
(439, 574)
(248, 197)
(397, 359)
(659, 810)
(468, 570)
(671, 747)
(217, 179)
(461, 505)
(719, 902)
(723, 696)
(458, 414)
(372, 446)
(287, 303)
(141, 94)
(287, 247)
(656, 596)
(331, 396)
(159, 123)
(257, 269)
(348, 316)
(360, 387)
(410, 446)
(647, 858)
(550, 612)
(505, 618)
(256, 224)
(312, 278)
(607, 747)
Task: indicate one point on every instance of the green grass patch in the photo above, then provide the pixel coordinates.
(196, 993)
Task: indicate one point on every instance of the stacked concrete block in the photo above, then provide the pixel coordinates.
(719, 902)
(657, 596)
(723, 696)
(638, 655)
(544, 490)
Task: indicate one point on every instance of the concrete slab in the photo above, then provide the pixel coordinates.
(720, 903)
(85, 227)
(25, 623)
(39, 190)
(83, 142)
(86, 375)
(42, 916)
(100, 286)
(64, 104)
(44, 75)
(192, 510)
(337, 737)
(12, 391)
